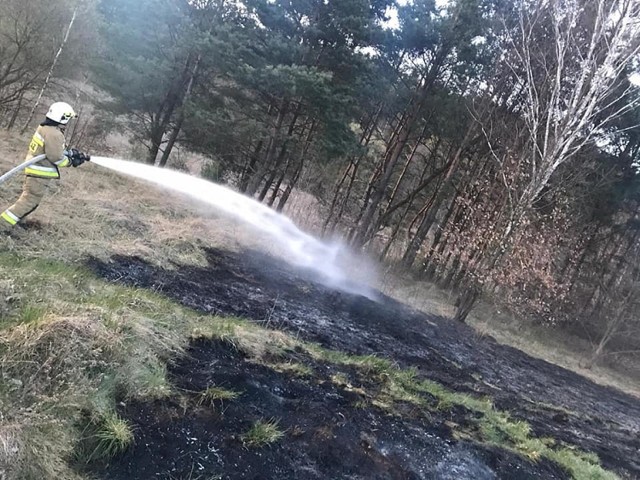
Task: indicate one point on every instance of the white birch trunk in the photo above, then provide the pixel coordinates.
(50, 73)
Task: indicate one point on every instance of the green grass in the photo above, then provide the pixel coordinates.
(101, 341)
(30, 314)
(215, 394)
(340, 379)
(113, 436)
(97, 342)
(446, 397)
(494, 427)
(263, 433)
(581, 466)
(404, 385)
(361, 404)
(40, 269)
(497, 428)
(101, 401)
(148, 381)
(368, 364)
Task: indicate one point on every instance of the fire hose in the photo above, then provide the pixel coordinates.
(21, 167)
(76, 158)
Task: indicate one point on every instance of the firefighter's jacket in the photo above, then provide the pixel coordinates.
(48, 140)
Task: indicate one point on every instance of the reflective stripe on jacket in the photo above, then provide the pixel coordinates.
(47, 140)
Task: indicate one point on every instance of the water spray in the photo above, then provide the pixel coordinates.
(325, 259)
(302, 249)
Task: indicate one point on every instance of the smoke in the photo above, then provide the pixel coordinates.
(327, 260)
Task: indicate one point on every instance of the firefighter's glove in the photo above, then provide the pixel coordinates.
(78, 158)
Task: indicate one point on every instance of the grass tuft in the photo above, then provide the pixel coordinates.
(497, 428)
(148, 381)
(215, 394)
(263, 433)
(252, 340)
(372, 365)
(580, 465)
(113, 436)
(292, 368)
(30, 315)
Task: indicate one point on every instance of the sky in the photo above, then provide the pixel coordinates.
(392, 12)
(393, 24)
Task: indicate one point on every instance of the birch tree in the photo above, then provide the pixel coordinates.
(28, 29)
(570, 60)
(47, 79)
(572, 89)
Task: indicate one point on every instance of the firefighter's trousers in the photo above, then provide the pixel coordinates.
(32, 192)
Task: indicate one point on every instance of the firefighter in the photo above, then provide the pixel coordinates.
(48, 140)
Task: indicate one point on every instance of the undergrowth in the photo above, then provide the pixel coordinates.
(263, 433)
(71, 346)
(109, 437)
(215, 394)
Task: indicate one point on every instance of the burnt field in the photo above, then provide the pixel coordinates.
(331, 428)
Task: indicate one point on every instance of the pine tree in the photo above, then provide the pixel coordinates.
(145, 64)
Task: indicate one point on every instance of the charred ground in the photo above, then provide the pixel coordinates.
(330, 430)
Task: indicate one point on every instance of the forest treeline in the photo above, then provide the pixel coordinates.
(491, 146)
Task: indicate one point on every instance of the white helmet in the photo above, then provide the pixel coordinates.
(61, 112)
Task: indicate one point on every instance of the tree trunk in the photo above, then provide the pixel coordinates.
(157, 133)
(465, 303)
(613, 326)
(48, 77)
(173, 136)
(350, 172)
(276, 188)
(274, 171)
(411, 252)
(408, 202)
(378, 186)
(16, 112)
(250, 168)
(380, 220)
(292, 183)
(281, 156)
(431, 265)
(256, 179)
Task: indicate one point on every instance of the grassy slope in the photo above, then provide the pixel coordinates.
(71, 344)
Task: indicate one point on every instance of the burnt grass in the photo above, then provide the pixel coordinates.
(330, 431)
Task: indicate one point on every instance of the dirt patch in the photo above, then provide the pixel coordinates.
(366, 443)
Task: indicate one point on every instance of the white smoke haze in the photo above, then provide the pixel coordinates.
(330, 261)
